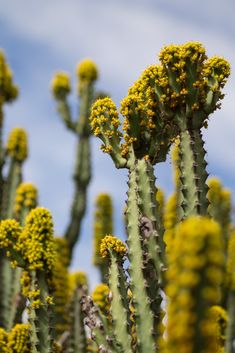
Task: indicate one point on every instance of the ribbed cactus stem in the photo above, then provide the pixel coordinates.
(119, 304)
(41, 315)
(82, 178)
(65, 113)
(200, 171)
(5, 290)
(230, 332)
(13, 180)
(86, 97)
(149, 207)
(77, 338)
(14, 297)
(103, 225)
(143, 314)
(188, 198)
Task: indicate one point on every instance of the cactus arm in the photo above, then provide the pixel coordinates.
(65, 113)
(14, 295)
(104, 121)
(13, 180)
(5, 289)
(118, 307)
(200, 171)
(41, 315)
(230, 332)
(103, 225)
(82, 178)
(82, 174)
(188, 196)
(77, 338)
(144, 317)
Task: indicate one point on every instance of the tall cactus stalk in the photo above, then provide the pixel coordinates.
(87, 75)
(103, 225)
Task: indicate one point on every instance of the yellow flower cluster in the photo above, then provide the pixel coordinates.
(111, 243)
(10, 231)
(3, 341)
(60, 285)
(16, 341)
(26, 197)
(103, 224)
(60, 85)
(87, 71)
(220, 203)
(100, 297)
(219, 69)
(194, 278)
(19, 339)
(176, 56)
(170, 220)
(104, 117)
(36, 242)
(219, 319)
(143, 111)
(193, 77)
(175, 157)
(8, 90)
(17, 146)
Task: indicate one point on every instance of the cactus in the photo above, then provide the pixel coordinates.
(32, 248)
(87, 74)
(102, 226)
(181, 251)
(194, 277)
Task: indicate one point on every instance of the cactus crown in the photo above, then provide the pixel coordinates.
(194, 82)
(17, 146)
(87, 71)
(112, 244)
(9, 91)
(60, 85)
(26, 196)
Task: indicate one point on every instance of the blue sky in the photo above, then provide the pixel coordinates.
(123, 37)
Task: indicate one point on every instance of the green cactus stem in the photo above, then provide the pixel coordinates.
(103, 225)
(115, 250)
(17, 150)
(143, 314)
(77, 342)
(87, 74)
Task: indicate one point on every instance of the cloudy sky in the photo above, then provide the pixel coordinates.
(123, 37)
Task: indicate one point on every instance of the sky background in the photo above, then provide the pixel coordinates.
(122, 37)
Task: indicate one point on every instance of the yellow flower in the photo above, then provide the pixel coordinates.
(113, 244)
(17, 146)
(60, 85)
(87, 71)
